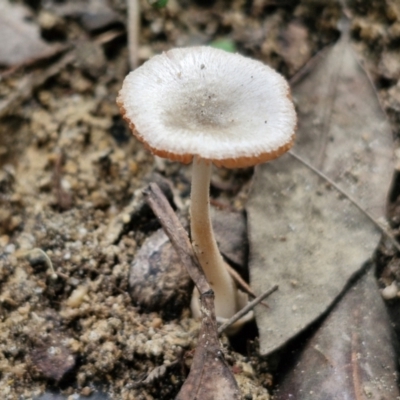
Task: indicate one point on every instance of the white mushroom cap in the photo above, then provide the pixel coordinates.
(222, 107)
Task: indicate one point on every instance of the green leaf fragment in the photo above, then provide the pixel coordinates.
(158, 3)
(224, 44)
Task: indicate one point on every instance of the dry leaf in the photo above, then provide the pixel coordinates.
(311, 243)
(342, 129)
(351, 356)
(94, 14)
(304, 235)
(230, 233)
(20, 38)
(210, 377)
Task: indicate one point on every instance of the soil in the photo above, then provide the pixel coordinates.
(71, 176)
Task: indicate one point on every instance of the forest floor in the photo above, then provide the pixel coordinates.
(71, 176)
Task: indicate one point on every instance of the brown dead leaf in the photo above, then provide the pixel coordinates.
(304, 235)
(342, 129)
(210, 377)
(20, 38)
(312, 242)
(230, 233)
(93, 14)
(351, 356)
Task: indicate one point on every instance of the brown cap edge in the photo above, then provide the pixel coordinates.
(241, 162)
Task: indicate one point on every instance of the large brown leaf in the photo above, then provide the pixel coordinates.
(351, 356)
(304, 235)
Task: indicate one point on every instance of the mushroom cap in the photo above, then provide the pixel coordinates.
(205, 102)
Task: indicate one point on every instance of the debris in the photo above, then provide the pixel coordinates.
(210, 377)
(20, 38)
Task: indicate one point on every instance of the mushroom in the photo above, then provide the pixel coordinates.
(209, 106)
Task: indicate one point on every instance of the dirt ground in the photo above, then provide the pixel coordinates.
(71, 177)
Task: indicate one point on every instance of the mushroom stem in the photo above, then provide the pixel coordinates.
(204, 243)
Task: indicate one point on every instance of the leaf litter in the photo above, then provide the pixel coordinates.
(210, 376)
(102, 176)
(351, 355)
(314, 239)
(21, 41)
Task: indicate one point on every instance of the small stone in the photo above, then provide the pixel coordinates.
(4, 239)
(86, 391)
(77, 296)
(390, 292)
(52, 360)
(99, 199)
(90, 58)
(71, 167)
(157, 280)
(156, 323)
(389, 65)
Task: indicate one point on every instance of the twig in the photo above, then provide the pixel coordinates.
(242, 283)
(30, 255)
(209, 371)
(246, 309)
(63, 198)
(108, 36)
(177, 235)
(133, 26)
(54, 51)
(350, 198)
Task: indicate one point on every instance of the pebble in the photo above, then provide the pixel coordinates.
(77, 296)
(390, 292)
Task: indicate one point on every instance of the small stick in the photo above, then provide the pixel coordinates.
(242, 283)
(63, 198)
(133, 25)
(46, 259)
(31, 63)
(177, 235)
(246, 309)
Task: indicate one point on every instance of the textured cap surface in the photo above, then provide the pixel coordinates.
(202, 101)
